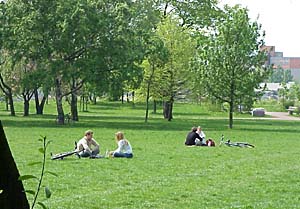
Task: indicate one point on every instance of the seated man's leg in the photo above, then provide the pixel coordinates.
(85, 153)
(95, 151)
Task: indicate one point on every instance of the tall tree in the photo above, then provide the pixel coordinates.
(181, 47)
(230, 64)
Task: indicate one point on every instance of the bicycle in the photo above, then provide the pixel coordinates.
(235, 144)
(62, 155)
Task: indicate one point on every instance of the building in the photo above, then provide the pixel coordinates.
(279, 61)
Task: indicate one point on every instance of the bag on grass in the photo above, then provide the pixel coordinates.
(210, 143)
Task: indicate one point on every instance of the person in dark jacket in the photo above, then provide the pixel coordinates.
(192, 137)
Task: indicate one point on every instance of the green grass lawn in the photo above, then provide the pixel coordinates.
(163, 172)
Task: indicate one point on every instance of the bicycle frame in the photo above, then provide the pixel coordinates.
(235, 144)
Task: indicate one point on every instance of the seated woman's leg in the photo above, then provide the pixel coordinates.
(119, 154)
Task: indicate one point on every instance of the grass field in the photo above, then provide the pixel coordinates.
(163, 172)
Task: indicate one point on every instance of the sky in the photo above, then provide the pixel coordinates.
(280, 20)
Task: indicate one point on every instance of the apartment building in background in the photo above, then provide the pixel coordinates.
(279, 61)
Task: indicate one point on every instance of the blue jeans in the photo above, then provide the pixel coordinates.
(86, 153)
(119, 154)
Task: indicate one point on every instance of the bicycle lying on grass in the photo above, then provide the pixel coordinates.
(62, 155)
(235, 144)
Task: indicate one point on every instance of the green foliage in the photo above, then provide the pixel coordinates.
(280, 76)
(229, 63)
(48, 193)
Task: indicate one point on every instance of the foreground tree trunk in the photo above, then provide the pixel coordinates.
(12, 195)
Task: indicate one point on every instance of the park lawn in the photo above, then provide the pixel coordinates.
(163, 172)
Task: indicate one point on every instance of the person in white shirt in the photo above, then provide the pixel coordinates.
(202, 135)
(124, 148)
(88, 146)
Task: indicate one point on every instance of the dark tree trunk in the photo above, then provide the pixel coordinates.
(27, 95)
(231, 110)
(11, 104)
(39, 107)
(154, 106)
(168, 109)
(74, 110)
(8, 93)
(13, 195)
(133, 98)
(59, 106)
(6, 103)
(26, 107)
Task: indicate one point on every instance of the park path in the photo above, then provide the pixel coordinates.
(282, 116)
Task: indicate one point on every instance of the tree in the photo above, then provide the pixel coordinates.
(280, 76)
(156, 56)
(181, 48)
(229, 64)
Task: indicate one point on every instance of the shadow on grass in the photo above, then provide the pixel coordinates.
(154, 124)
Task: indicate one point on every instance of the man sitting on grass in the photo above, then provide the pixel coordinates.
(87, 146)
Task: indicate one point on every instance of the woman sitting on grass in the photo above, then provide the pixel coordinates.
(124, 148)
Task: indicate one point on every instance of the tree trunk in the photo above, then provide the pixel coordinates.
(74, 110)
(147, 101)
(168, 108)
(39, 107)
(8, 93)
(59, 106)
(133, 98)
(6, 103)
(13, 195)
(26, 107)
(11, 104)
(154, 106)
(231, 110)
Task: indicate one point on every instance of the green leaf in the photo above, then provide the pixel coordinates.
(52, 173)
(41, 150)
(34, 163)
(30, 192)
(26, 177)
(42, 204)
(47, 192)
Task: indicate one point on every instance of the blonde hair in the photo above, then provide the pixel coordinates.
(88, 132)
(119, 135)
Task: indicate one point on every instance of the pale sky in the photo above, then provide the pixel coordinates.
(280, 19)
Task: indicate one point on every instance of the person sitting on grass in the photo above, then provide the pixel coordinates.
(88, 146)
(193, 138)
(202, 136)
(124, 148)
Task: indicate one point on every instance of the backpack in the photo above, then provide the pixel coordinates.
(210, 143)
